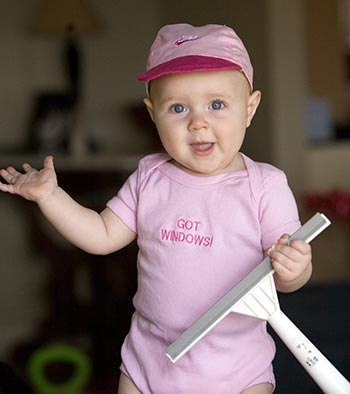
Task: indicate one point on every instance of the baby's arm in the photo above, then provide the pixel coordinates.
(90, 231)
(292, 264)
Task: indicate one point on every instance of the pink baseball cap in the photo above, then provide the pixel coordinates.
(181, 48)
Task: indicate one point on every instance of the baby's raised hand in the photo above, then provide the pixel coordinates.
(291, 262)
(32, 185)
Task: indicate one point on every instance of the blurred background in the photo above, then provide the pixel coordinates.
(68, 87)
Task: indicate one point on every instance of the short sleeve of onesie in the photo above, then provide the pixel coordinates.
(125, 203)
(276, 205)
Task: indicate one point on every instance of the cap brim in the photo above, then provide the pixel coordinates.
(188, 64)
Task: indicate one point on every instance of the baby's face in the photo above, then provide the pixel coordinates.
(202, 118)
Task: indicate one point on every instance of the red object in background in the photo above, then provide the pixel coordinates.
(335, 203)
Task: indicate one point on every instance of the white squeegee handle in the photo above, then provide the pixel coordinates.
(327, 377)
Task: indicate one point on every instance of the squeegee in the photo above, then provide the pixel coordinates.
(256, 295)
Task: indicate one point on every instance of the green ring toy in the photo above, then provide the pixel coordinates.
(59, 353)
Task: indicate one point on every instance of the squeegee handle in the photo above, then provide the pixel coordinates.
(328, 378)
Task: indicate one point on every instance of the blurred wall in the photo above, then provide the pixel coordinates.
(324, 41)
(32, 63)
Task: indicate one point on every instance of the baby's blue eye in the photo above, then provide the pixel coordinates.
(217, 104)
(178, 108)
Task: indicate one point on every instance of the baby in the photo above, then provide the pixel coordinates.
(204, 215)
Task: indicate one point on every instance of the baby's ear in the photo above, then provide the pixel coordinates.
(149, 106)
(253, 104)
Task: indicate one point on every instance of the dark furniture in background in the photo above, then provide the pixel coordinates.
(89, 297)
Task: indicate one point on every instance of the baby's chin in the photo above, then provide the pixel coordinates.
(198, 170)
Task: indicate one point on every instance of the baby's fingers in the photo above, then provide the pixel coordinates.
(10, 174)
(28, 168)
(283, 270)
(48, 163)
(13, 171)
(284, 255)
(284, 240)
(301, 246)
(7, 188)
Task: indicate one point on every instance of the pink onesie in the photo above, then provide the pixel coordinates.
(197, 237)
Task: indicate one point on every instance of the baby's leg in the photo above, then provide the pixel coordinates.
(263, 388)
(126, 386)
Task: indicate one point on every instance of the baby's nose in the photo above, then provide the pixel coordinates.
(197, 122)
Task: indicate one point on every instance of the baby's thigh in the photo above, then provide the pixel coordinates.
(263, 388)
(126, 386)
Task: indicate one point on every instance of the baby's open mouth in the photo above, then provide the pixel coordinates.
(202, 148)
